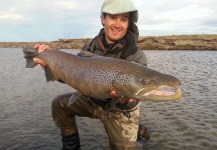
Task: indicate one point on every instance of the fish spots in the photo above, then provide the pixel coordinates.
(126, 84)
(96, 76)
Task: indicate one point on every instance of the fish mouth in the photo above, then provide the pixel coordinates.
(163, 93)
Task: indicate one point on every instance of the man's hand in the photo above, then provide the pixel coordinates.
(41, 48)
(114, 94)
(121, 102)
(39, 61)
(126, 100)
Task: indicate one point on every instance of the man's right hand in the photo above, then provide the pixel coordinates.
(41, 48)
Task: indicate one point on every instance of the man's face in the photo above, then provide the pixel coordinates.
(115, 26)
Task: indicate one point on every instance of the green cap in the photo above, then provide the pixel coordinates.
(119, 7)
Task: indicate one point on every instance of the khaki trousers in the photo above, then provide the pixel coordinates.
(122, 131)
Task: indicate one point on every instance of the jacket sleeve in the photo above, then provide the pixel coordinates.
(85, 47)
(139, 57)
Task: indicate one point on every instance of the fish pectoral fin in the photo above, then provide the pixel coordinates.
(126, 85)
(50, 76)
(86, 54)
(73, 99)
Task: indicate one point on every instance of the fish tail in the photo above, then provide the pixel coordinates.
(29, 54)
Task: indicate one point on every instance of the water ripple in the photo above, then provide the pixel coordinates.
(191, 123)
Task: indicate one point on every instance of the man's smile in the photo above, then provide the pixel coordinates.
(116, 31)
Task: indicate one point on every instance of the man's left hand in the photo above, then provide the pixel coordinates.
(114, 94)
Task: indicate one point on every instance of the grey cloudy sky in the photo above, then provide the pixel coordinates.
(49, 20)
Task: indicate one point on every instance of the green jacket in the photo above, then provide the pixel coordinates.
(123, 49)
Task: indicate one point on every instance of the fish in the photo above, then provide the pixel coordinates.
(96, 76)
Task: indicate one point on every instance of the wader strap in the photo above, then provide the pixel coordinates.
(130, 50)
(109, 103)
(127, 113)
(130, 45)
(90, 47)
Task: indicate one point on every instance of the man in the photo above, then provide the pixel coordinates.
(117, 40)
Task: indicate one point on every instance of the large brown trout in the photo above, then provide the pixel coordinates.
(96, 76)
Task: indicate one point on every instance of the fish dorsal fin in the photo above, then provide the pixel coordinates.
(86, 54)
(73, 98)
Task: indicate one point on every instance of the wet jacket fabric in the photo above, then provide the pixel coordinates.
(125, 48)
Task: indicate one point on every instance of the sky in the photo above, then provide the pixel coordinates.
(51, 20)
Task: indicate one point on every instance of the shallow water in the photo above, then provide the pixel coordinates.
(191, 123)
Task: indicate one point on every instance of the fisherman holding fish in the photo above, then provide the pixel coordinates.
(117, 39)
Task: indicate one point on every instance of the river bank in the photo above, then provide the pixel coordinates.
(172, 42)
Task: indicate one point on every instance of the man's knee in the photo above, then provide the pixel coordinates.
(61, 100)
(62, 116)
(58, 108)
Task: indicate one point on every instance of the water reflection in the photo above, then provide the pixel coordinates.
(25, 113)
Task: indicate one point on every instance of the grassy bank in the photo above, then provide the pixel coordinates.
(171, 42)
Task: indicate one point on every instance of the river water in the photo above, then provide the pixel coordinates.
(190, 123)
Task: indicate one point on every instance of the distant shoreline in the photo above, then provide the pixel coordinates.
(172, 42)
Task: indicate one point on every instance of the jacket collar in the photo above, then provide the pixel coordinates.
(117, 46)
